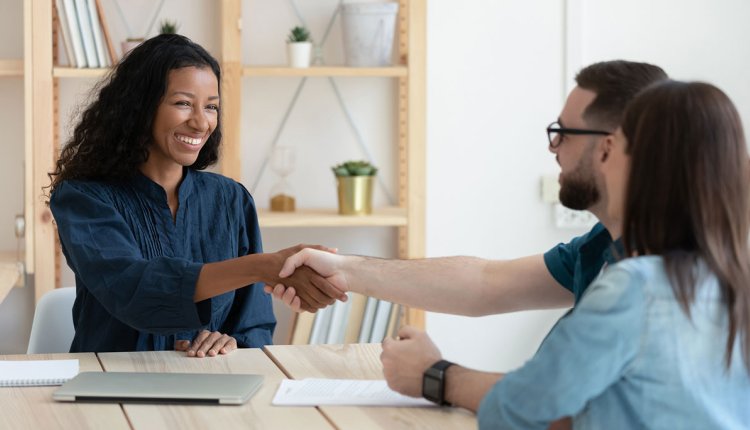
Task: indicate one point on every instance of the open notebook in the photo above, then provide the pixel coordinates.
(36, 372)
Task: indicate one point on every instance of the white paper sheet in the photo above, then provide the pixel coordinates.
(341, 392)
(36, 372)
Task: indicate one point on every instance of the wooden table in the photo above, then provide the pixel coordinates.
(33, 407)
(256, 413)
(361, 361)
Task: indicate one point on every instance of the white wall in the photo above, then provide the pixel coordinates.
(496, 78)
(496, 75)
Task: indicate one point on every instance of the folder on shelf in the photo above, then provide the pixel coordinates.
(380, 323)
(354, 320)
(339, 318)
(87, 35)
(303, 324)
(62, 24)
(71, 20)
(101, 50)
(367, 319)
(321, 325)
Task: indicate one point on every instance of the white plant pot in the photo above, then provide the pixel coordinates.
(299, 54)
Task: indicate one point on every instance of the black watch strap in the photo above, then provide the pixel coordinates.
(433, 382)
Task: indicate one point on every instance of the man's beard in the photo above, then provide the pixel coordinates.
(578, 189)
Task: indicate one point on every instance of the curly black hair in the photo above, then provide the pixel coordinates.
(113, 137)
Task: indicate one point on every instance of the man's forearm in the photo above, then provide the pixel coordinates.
(448, 284)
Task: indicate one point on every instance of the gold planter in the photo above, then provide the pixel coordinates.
(355, 194)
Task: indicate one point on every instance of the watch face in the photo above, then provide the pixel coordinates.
(431, 388)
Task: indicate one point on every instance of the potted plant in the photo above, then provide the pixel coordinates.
(355, 182)
(299, 47)
(168, 27)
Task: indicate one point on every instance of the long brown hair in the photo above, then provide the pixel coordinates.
(688, 197)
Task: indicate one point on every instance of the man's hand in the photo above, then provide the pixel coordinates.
(326, 264)
(406, 359)
(207, 344)
(304, 289)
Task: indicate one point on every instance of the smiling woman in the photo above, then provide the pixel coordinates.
(164, 255)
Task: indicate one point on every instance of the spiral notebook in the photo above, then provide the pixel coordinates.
(36, 372)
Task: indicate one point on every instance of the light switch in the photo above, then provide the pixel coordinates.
(550, 189)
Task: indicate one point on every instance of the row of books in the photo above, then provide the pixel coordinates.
(360, 319)
(85, 34)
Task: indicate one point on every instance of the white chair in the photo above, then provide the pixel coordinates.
(52, 329)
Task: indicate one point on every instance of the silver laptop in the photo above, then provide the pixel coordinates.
(133, 387)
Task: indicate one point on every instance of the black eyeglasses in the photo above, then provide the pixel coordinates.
(555, 133)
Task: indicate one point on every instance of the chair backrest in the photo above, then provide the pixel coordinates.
(52, 329)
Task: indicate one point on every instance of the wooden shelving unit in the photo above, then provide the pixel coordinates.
(42, 141)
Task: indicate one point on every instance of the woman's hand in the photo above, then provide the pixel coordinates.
(207, 344)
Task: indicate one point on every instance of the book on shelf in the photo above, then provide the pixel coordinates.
(394, 321)
(67, 10)
(303, 324)
(380, 322)
(62, 24)
(321, 325)
(87, 33)
(354, 320)
(339, 319)
(101, 50)
(367, 319)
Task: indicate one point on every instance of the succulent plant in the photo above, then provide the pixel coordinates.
(355, 168)
(299, 34)
(168, 27)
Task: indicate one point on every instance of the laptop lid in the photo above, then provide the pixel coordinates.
(153, 387)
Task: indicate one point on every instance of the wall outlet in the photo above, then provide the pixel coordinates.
(568, 218)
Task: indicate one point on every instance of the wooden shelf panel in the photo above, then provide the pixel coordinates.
(324, 71)
(268, 71)
(381, 217)
(72, 72)
(11, 68)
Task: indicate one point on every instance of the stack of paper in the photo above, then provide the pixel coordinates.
(344, 392)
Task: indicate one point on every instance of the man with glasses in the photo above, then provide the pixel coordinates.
(474, 286)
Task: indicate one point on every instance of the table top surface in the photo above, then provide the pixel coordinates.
(361, 361)
(33, 407)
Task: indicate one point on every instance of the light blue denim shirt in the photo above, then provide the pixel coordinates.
(629, 357)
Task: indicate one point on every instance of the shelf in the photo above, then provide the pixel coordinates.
(382, 217)
(324, 71)
(279, 71)
(72, 72)
(11, 68)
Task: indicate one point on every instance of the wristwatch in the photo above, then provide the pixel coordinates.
(433, 382)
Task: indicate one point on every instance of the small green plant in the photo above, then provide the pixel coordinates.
(354, 168)
(168, 27)
(299, 34)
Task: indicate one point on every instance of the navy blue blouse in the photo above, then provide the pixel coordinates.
(136, 268)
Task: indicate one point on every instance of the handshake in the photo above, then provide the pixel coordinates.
(307, 277)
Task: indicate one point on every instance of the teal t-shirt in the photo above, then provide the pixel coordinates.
(577, 263)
